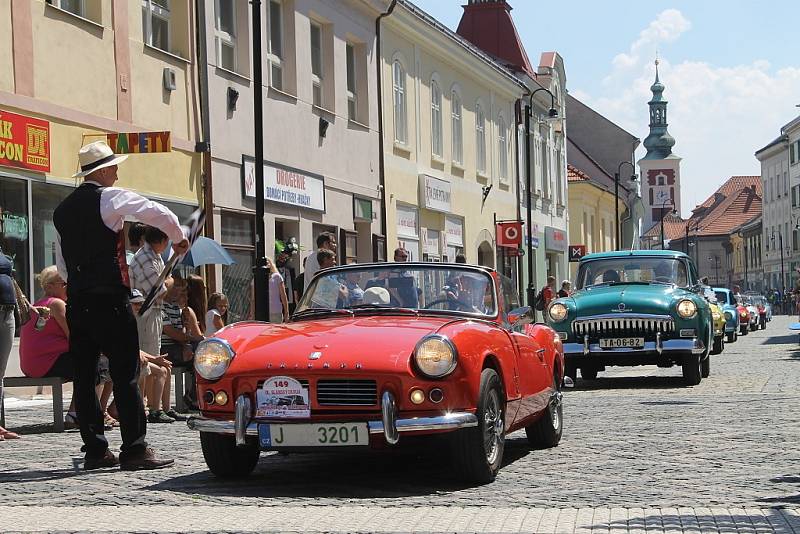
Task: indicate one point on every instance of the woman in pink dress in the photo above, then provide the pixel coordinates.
(44, 343)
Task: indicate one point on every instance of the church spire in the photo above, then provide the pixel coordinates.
(659, 143)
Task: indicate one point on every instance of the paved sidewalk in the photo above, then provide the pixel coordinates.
(402, 519)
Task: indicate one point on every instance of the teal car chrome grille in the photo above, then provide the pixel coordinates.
(623, 326)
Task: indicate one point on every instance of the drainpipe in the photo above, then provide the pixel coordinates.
(381, 159)
(204, 145)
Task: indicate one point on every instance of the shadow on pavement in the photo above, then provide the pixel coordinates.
(787, 339)
(39, 475)
(348, 475)
(630, 382)
(784, 499)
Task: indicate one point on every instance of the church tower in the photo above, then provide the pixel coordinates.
(659, 168)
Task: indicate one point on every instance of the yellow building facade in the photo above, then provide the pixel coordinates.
(449, 139)
(591, 221)
(81, 71)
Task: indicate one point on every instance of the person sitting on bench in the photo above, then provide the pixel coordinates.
(44, 342)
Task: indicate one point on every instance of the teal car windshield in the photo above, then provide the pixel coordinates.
(632, 270)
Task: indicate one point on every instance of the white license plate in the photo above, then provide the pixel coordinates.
(622, 342)
(272, 435)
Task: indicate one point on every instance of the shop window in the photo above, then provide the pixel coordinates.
(14, 228)
(46, 197)
(238, 237)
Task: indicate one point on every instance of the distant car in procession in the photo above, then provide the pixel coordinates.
(378, 353)
(752, 312)
(727, 301)
(638, 307)
(763, 307)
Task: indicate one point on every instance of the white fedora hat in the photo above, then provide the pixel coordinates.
(96, 156)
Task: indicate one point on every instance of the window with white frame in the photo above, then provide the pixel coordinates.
(502, 148)
(225, 33)
(480, 139)
(352, 82)
(399, 91)
(436, 119)
(76, 7)
(275, 50)
(559, 177)
(316, 63)
(544, 134)
(455, 126)
(156, 23)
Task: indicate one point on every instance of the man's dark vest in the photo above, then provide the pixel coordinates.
(94, 254)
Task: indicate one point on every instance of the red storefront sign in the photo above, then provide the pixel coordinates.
(576, 252)
(24, 142)
(509, 234)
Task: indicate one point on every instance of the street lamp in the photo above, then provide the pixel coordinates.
(553, 114)
(616, 196)
(715, 261)
(744, 247)
(693, 226)
(663, 205)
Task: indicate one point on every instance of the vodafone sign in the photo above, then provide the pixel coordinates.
(509, 234)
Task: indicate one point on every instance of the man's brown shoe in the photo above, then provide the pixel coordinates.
(143, 460)
(107, 460)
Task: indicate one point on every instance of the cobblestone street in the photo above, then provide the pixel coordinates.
(640, 453)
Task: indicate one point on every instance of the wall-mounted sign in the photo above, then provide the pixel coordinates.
(285, 185)
(576, 252)
(454, 231)
(139, 142)
(24, 142)
(407, 222)
(509, 234)
(434, 193)
(555, 239)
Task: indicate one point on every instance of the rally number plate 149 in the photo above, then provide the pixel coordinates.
(276, 435)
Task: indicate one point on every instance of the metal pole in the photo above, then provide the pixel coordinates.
(260, 284)
(745, 266)
(662, 228)
(783, 278)
(531, 292)
(616, 210)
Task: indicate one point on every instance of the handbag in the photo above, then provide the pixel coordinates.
(23, 305)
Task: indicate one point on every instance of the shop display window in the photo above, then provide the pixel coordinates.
(15, 228)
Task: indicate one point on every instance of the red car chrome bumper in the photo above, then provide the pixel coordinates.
(390, 426)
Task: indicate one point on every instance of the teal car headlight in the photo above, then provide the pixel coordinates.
(212, 358)
(686, 309)
(557, 312)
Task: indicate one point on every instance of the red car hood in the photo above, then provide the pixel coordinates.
(377, 344)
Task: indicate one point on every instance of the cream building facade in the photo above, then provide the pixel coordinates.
(449, 143)
(320, 131)
(77, 71)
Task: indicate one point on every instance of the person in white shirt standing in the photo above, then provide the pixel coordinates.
(325, 240)
(90, 256)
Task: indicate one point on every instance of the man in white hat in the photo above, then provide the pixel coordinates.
(90, 255)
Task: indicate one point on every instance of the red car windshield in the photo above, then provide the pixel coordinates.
(445, 288)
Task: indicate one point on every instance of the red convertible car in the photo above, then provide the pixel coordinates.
(376, 352)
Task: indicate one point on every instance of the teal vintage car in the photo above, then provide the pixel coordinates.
(638, 307)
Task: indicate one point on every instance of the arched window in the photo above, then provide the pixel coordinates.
(436, 119)
(455, 126)
(502, 147)
(480, 139)
(399, 89)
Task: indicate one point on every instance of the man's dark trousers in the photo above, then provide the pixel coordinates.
(104, 322)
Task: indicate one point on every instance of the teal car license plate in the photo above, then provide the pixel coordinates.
(276, 435)
(622, 343)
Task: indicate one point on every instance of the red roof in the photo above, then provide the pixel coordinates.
(736, 202)
(674, 228)
(574, 174)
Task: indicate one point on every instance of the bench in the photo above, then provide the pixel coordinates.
(58, 398)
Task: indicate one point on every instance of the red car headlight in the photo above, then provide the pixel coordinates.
(435, 356)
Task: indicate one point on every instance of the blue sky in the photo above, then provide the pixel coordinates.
(731, 70)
